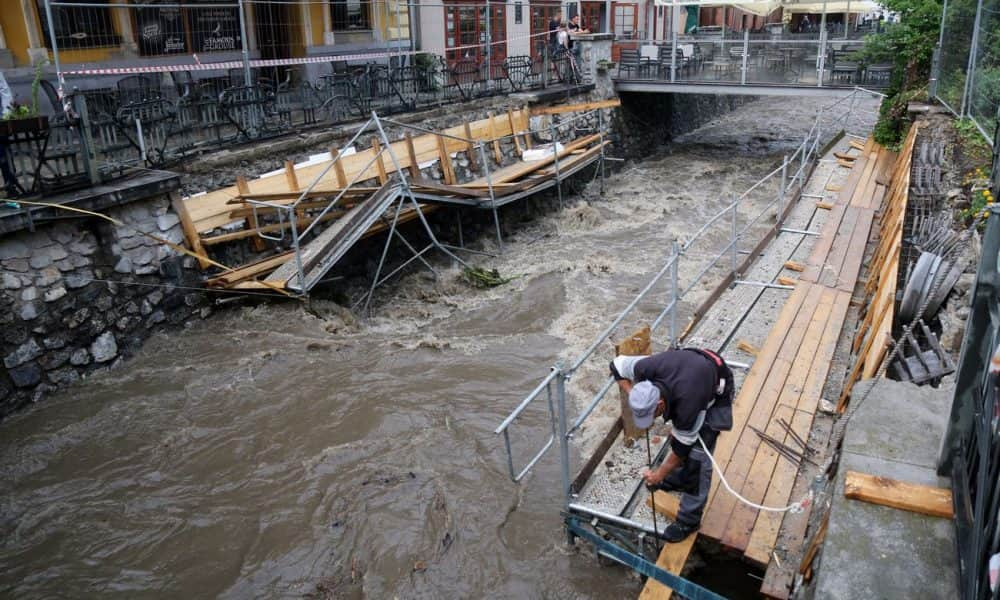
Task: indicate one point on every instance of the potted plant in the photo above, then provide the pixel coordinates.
(23, 118)
(605, 65)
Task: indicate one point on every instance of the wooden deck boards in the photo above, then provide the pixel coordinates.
(787, 378)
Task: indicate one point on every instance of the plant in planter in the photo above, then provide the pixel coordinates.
(23, 118)
(605, 65)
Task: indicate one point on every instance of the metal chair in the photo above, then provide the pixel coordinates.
(629, 62)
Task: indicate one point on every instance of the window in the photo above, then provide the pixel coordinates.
(623, 20)
(466, 27)
(541, 14)
(350, 15)
(79, 26)
(173, 29)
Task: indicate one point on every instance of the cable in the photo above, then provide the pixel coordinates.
(795, 507)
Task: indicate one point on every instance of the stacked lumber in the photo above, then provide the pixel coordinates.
(874, 335)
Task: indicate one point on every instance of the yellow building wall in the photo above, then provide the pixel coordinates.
(393, 28)
(316, 19)
(12, 21)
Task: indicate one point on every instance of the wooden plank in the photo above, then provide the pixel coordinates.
(782, 280)
(832, 187)
(672, 558)
(824, 205)
(290, 178)
(747, 347)
(791, 265)
(379, 163)
(843, 156)
(582, 107)
(814, 545)
(524, 168)
(665, 504)
(761, 402)
(856, 145)
(768, 524)
(513, 129)
(921, 499)
(766, 460)
(470, 150)
(248, 233)
(525, 126)
(823, 245)
(249, 271)
(256, 242)
(338, 168)
(497, 154)
(637, 344)
(445, 158)
(190, 231)
(411, 154)
(747, 394)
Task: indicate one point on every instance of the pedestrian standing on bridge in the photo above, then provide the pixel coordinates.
(692, 389)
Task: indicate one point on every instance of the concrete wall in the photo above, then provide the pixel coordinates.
(432, 28)
(518, 42)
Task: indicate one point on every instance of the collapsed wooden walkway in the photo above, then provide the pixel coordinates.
(227, 215)
(787, 377)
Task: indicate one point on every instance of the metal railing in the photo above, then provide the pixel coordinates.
(751, 59)
(971, 449)
(784, 183)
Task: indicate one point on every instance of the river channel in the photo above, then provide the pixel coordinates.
(273, 452)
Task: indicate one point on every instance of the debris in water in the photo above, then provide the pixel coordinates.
(481, 278)
(446, 542)
(419, 566)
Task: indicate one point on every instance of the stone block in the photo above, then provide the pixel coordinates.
(155, 297)
(54, 342)
(55, 294)
(83, 247)
(47, 277)
(16, 264)
(53, 360)
(40, 260)
(65, 376)
(62, 233)
(126, 323)
(104, 348)
(26, 375)
(165, 222)
(13, 249)
(132, 242)
(29, 312)
(149, 269)
(56, 252)
(79, 279)
(124, 265)
(155, 318)
(79, 357)
(77, 318)
(143, 256)
(104, 303)
(29, 350)
(64, 265)
(29, 293)
(10, 282)
(40, 239)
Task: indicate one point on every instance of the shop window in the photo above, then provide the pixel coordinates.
(350, 15)
(79, 26)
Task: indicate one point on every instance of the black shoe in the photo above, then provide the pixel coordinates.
(677, 533)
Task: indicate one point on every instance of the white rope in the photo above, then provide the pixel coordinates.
(796, 507)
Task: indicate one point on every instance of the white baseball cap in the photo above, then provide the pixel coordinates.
(643, 400)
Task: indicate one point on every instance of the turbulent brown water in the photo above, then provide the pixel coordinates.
(274, 452)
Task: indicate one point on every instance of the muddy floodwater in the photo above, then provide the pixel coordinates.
(271, 452)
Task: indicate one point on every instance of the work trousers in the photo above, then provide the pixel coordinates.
(694, 479)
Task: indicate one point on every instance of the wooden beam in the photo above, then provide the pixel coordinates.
(824, 205)
(921, 499)
(513, 131)
(637, 344)
(843, 156)
(447, 171)
(290, 178)
(526, 127)
(415, 173)
(666, 504)
(791, 265)
(833, 187)
(747, 347)
(787, 280)
(241, 235)
(814, 546)
(256, 242)
(190, 231)
(856, 145)
(228, 278)
(497, 155)
(672, 558)
(338, 168)
(383, 177)
(470, 149)
(585, 106)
